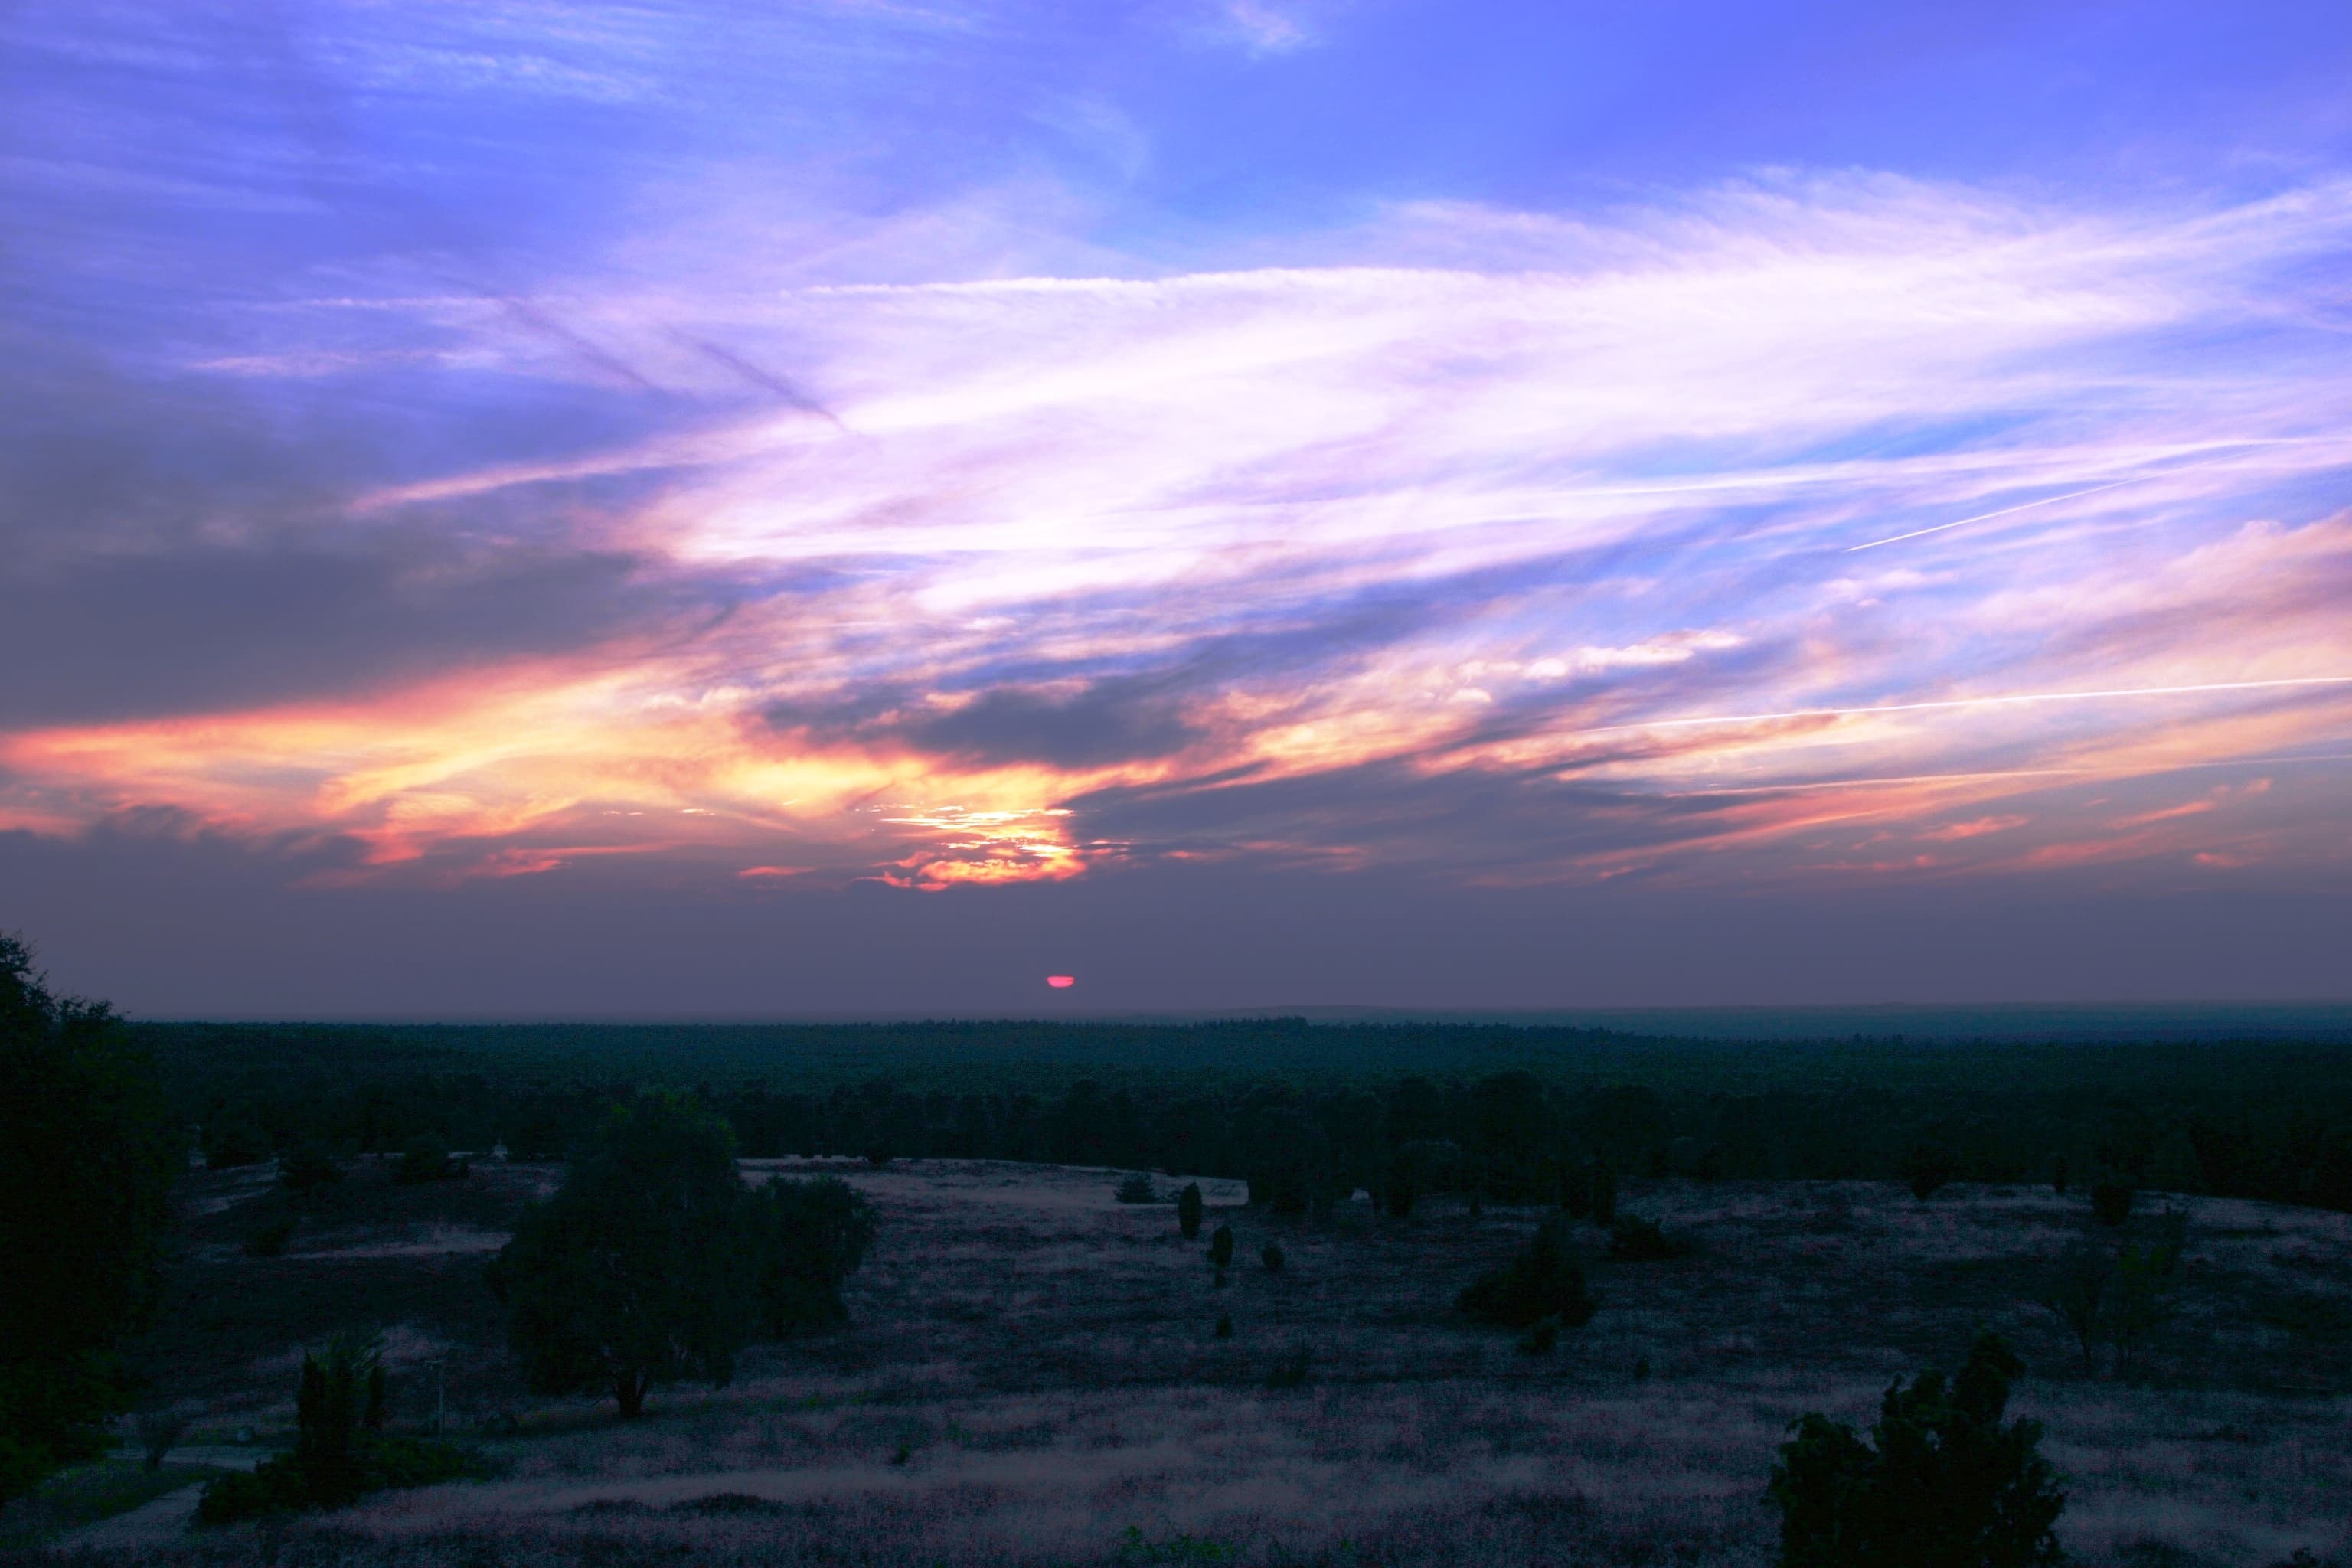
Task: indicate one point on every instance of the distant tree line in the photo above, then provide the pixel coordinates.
(2260, 1120)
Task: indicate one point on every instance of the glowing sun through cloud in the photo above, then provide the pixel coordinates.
(1060, 982)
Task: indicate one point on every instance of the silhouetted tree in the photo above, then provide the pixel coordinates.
(807, 1238)
(1927, 1169)
(635, 1272)
(1188, 1211)
(1946, 1485)
(2111, 1200)
(1545, 1280)
(1271, 1255)
(87, 1157)
(1220, 1247)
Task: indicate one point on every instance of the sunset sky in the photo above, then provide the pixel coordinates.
(559, 508)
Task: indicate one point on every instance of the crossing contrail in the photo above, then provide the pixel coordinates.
(2008, 699)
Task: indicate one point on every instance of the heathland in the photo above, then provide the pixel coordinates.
(1035, 1371)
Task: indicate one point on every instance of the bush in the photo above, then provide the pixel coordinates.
(1188, 1210)
(283, 1484)
(1545, 1280)
(160, 1432)
(2058, 1174)
(1271, 1255)
(1225, 1325)
(268, 1240)
(1927, 1170)
(2141, 1301)
(1541, 1336)
(306, 1167)
(1290, 1372)
(1604, 1195)
(2076, 1295)
(425, 1159)
(2111, 1200)
(341, 1453)
(1946, 1485)
(807, 1238)
(1137, 1188)
(1634, 1240)
(232, 1138)
(1221, 1248)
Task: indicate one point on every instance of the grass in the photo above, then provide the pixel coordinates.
(90, 1493)
(1033, 1377)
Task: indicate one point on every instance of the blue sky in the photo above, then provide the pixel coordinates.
(1026, 484)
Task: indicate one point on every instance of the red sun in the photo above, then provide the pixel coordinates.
(1060, 982)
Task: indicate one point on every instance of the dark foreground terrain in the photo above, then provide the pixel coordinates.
(1033, 1377)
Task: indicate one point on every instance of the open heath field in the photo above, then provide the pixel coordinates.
(1034, 1374)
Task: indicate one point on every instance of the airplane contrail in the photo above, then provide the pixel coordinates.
(2049, 500)
(2007, 700)
(2004, 511)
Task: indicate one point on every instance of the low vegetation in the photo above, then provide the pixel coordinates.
(1544, 1282)
(1940, 1483)
(342, 1452)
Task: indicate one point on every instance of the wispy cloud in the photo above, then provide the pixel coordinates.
(1512, 546)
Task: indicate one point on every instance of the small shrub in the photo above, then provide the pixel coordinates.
(1634, 1240)
(306, 1167)
(425, 1159)
(1225, 1325)
(1271, 1255)
(2172, 1240)
(268, 1240)
(2141, 1301)
(341, 1453)
(1290, 1372)
(1604, 1195)
(160, 1432)
(232, 1138)
(730, 1505)
(2058, 1174)
(1545, 1280)
(1137, 1188)
(1541, 1336)
(1221, 1248)
(1927, 1169)
(1576, 1191)
(1946, 1485)
(1640, 1368)
(1188, 1210)
(2076, 1295)
(2111, 1200)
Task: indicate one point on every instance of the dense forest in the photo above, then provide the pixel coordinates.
(1309, 1112)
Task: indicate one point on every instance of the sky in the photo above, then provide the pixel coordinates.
(524, 509)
